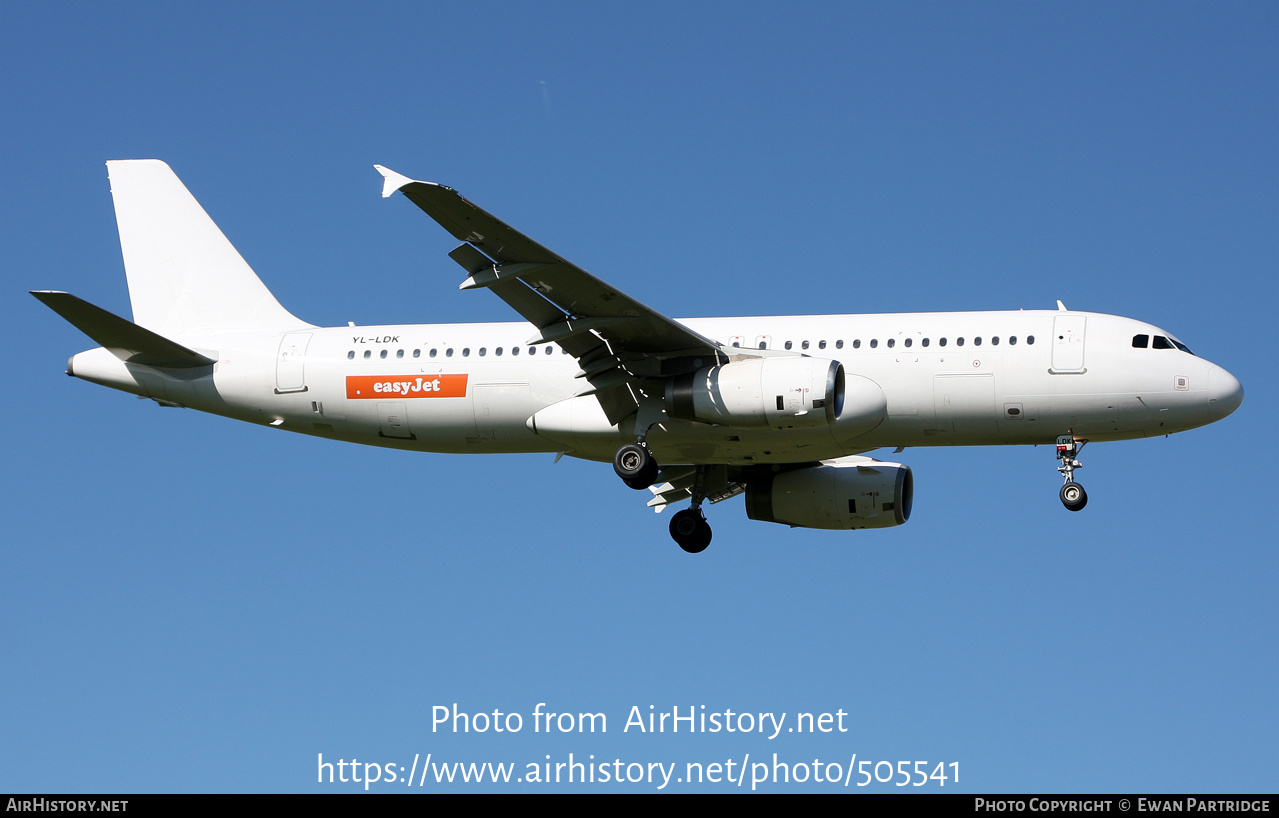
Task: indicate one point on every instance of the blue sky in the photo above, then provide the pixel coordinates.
(192, 604)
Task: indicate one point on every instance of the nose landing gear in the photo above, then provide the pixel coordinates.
(1073, 496)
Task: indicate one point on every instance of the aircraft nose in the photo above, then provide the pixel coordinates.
(1225, 393)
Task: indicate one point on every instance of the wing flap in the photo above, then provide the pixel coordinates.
(675, 485)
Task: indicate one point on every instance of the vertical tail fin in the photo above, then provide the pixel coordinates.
(184, 276)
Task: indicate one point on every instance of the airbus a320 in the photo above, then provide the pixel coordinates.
(782, 409)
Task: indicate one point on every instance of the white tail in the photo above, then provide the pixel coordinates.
(184, 276)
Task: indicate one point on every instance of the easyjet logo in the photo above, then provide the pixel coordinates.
(364, 387)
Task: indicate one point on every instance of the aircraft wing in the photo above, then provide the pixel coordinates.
(617, 340)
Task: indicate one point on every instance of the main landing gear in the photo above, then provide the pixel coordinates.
(690, 530)
(1073, 496)
(637, 467)
(635, 464)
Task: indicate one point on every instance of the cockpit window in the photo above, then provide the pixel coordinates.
(1159, 342)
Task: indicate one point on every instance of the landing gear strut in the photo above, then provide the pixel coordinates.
(1073, 496)
(635, 464)
(689, 528)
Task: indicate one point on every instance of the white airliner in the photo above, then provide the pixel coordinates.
(781, 408)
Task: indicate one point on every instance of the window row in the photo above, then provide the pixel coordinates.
(892, 342)
(448, 352)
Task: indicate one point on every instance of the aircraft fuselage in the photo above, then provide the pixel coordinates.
(975, 378)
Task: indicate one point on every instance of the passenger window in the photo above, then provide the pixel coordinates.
(448, 353)
(433, 352)
(977, 341)
(821, 344)
(959, 342)
(892, 342)
(1030, 339)
(498, 352)
(994, 341)
(368, 353)
(909, 341)
(483, 351)
(1140, 341)
(417, 353)
(1012, 340)
(762, 345)
(804, 345)
(736, 344)
(874, 342)
(548, 349)
(941, 342)
(350, 355)
(399, 353)
(515, 350)
(839, 344)
(382, 354)
(789, 344)
(924, 342)
(857, 343)
(466, 352)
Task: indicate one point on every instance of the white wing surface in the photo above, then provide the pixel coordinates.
(618, 341)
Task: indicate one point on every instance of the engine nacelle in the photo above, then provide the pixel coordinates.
(839, 495)
(780, 393)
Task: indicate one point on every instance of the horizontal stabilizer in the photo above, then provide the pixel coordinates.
(123, 339)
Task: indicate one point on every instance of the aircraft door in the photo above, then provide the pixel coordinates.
(501, 410)
(394, 420)
(1068, 344)
(290, 363)
(965, 404)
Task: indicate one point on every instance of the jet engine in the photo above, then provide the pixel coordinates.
(780, 393)
(841, 494)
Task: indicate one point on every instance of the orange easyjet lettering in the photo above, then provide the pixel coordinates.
(363, 387)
